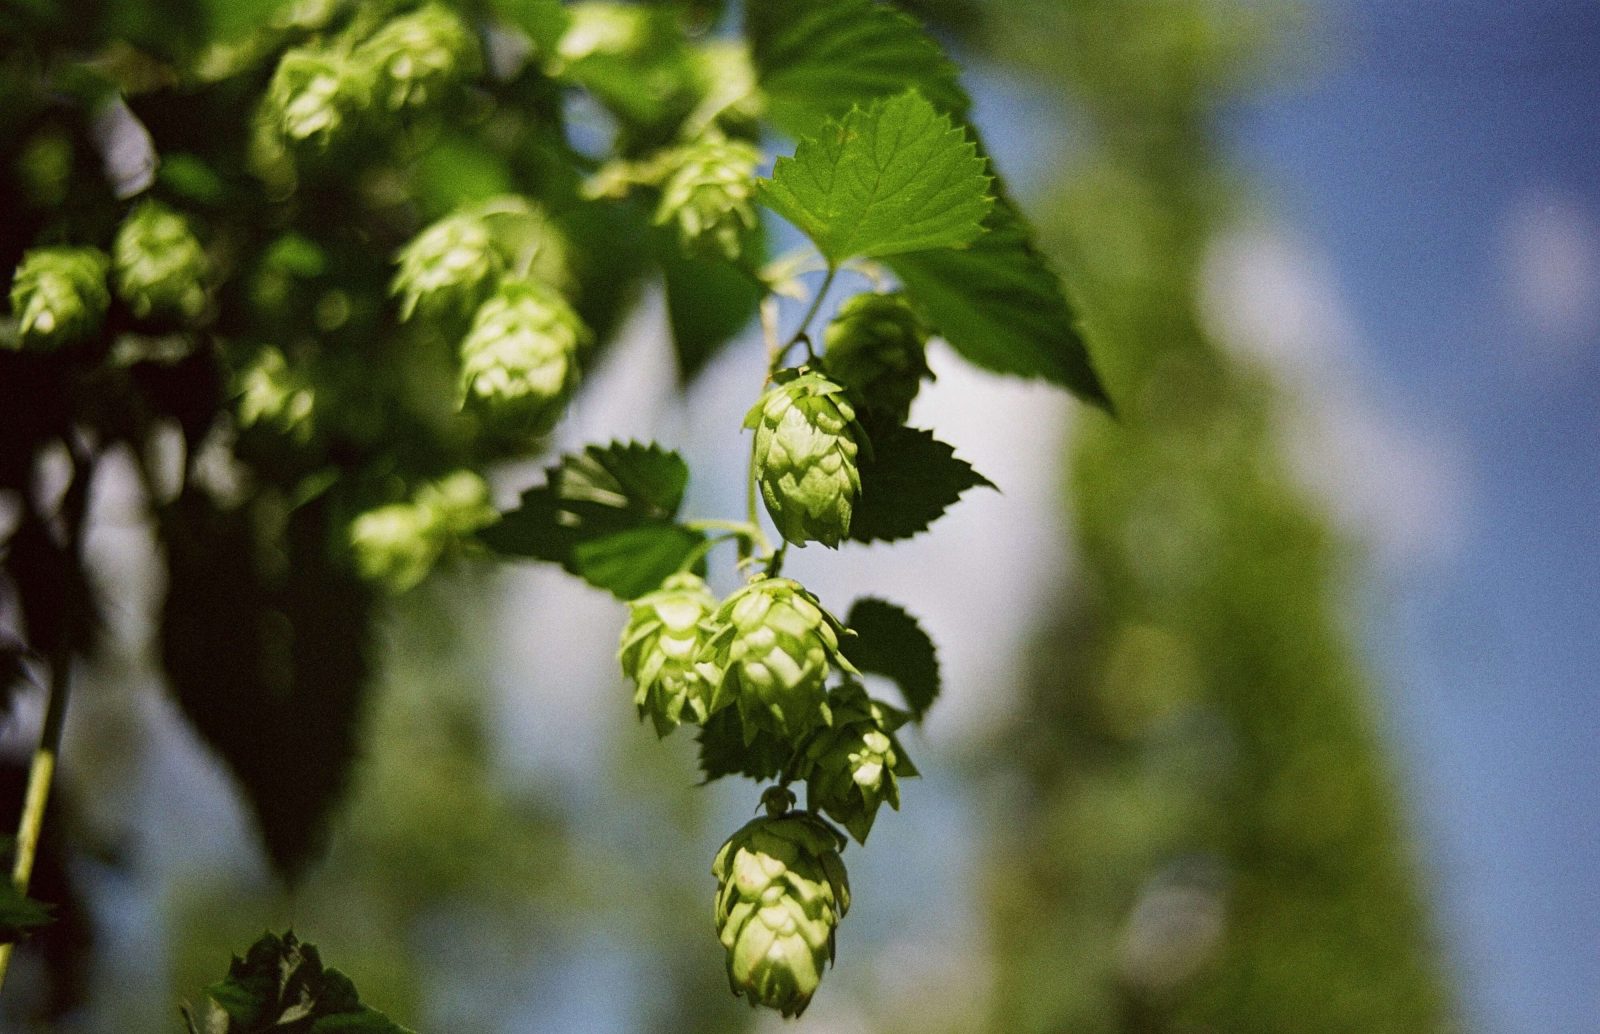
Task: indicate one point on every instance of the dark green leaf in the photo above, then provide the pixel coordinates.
(19, 915)
(1001, 305)
(909, 479)
(815, 59)
(895, 177)
(606, 514)
(723, 751)
(708, 302)
(889, 642)
(281, 987)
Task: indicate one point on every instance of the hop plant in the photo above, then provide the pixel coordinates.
(158, 264)
(772, 644)
(877, 348)
(271, 394)
(781, 891)
(415, 56)
(314, 94)
(709, 192)
(400, 543)
(520, 359)
(856, 764)
(447, 267)
(805, 457)
(59, 295)
(660, 646)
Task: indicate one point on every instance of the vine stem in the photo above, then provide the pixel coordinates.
(811, 313)
(41, 773)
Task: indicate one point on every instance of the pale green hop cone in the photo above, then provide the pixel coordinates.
(773, 645)
(877, 348)
(415, 56)
(447, 268)
(805, 457)
(59, 296)
(316, 94)
(157, 263)
(399, 544)
(855, 765)
(519, 362)
(781, 891)
(660, 647)
(710, 194)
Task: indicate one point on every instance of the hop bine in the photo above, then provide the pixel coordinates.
(520, 359)
(158, 264)
(773, 644)
(781, 891)
(854, 765)
(877, 348)
(805, 457)
(660, 647)
(59, 295)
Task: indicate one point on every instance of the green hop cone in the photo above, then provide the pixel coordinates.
(520, 359)
(272, 394)
(660, 646)
(415, 56)
(59, 295)
(773, 645)
(446, 268)
(805, 457)
(709, 193)
(315, 94)
(855, 765)
(877, 349)
(158, 264)
(781, 891)
(400, 543)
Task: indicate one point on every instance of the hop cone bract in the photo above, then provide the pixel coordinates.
(447, 267)
(805, 457)
(413, 57)
(855, 764)
(781, 891)
(520, 359)
(59, 295)
(877, 349)
(773, 644)
(660, 647)
(158, 264)
(710, 194)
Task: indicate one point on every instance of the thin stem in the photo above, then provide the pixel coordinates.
(751, 516)
(811, 313)
(775, 562)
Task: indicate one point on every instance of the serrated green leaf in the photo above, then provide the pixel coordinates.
(889, 642)
(909, 479)
(1001, 305)
(20, 915)
(895, 177)
(723, 751)
(607, 515)
(281, 987)
(815, 59)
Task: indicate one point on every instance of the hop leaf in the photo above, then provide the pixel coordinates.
(59, 295)
(805, 457)
(854, 765)
(447, 267)
(400, 543)
(781, 891)
(710, 193)
(271, 394)
(773, 644)
(660, 645)
(415, 56)
(520, 359)
(158, 264)
(314, 94)
(877, 349)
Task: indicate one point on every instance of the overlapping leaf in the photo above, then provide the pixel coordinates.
(890, 642)
(909, 479)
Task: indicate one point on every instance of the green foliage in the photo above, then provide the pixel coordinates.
(20, 915)
(909, 479)
(889, 642)
(281, 985)
(891, 178)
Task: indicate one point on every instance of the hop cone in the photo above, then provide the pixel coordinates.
(805, 457)
(273, 395)
(158, 264)
(59, 295)
(447, 267)
(877, 349)
(413, 57)
(400, 543)
(710, 194)
(772, 644)
(660, 645)
(314, 94)
(781, 891)
(854, 765)
(520, 358)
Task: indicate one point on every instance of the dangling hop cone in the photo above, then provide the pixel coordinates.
(781, 891)
(805, 457)
(59, 295)
(877, 349)
(158, 264)
(854, 765)
(519, 362)
(710, 194)
(660, 646)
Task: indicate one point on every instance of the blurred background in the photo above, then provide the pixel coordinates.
(1269, 707)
